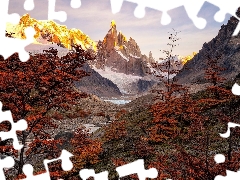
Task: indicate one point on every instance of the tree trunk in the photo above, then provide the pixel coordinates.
(21, 159)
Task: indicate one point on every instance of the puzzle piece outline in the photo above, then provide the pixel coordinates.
(139, 12)
(192, 8)
(7, 162)
(87, 173)
(9, 45)
(66, 164)
(220, 158)
(137, 167)
(21, 125)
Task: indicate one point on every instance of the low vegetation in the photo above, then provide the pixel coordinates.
(174, 131)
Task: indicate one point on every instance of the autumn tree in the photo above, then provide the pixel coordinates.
(167, 110)
(188, 124)
(33, 89)
(172, 115)
(86, 151)
(201, 138)
(229, 111)
(166, 68)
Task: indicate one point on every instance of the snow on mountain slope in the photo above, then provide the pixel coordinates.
(127, 84)
(38, 48)
(117, 49)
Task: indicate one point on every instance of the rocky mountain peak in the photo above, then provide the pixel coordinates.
(150, 58)
(120, 60)
(119, 53)
(113, 25)
(111, 38)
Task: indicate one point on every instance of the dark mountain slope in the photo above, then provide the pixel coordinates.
(98, 85)
(223, 44)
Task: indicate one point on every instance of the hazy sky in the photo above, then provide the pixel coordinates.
(94, 17)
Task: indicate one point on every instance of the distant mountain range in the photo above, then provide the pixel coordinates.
(119, 68)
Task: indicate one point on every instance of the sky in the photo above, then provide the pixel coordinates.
(94, 18)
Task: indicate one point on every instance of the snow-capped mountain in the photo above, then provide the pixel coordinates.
(118, 59)
(50, 34)
(120, 54)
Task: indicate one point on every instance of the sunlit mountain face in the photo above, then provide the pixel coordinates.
(184, 60)
(48, 31)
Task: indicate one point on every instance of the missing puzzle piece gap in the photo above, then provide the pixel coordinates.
(7, 162)
(29, 5)
(75, 3)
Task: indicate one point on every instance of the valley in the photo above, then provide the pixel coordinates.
(109, 104)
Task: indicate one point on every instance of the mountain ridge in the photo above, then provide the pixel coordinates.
(193, 71)
(48, 31)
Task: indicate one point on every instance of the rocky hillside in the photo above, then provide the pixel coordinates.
(224, 44)
(98, 85)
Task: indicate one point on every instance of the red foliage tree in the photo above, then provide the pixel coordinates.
(86, 153)
(34, 88)
(85, 149)
(194, 158)
(168, 110)
(115, 131)
(190, 124)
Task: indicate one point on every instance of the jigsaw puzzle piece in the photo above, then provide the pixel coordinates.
(139, 12)
(5, 17)
(52, 14)
(192, 8)
(18, 126)
(230, 125)
(87, 173)
(116, 5)
(236, 89)
(66, 164)
(219, 158)
(28, 171)
(237, 30)
(162, 6)
(65, 158)
(138, 168)
(226, 7)
(165, 6)
(8, 45)
(230, 175)
(229, 6)
(7, 162)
